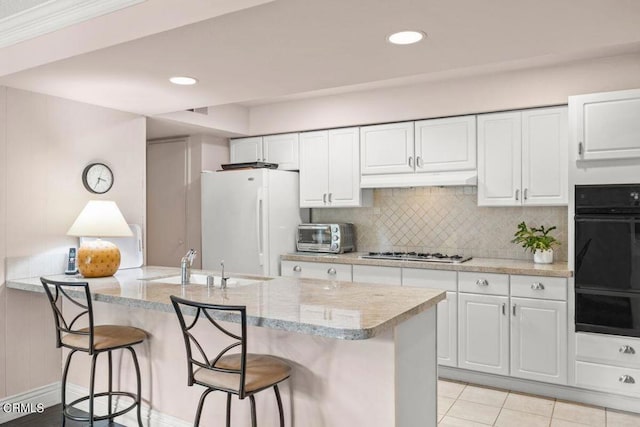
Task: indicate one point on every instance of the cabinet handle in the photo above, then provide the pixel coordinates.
(579, 148)
(419, 161)
(627, 349)
(297, 268)
(482, 282)
(537, 286)
(518, 194)
(514, 309)
(504, 309)
(410, 161)
(627, 379)
(525, 193)
(329, 197)
(324, 198)
(331, 271)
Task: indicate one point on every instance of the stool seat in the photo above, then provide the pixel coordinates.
(106, 337)
(262, 371)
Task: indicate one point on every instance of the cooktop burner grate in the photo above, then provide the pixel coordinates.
(417, 256)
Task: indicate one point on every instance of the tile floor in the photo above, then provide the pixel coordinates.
(468, 405)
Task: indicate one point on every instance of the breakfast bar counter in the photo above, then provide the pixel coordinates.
(363, 354)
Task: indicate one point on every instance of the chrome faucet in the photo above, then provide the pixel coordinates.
(223, 278)
(185, 266)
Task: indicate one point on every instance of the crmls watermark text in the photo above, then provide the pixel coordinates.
(22, 408)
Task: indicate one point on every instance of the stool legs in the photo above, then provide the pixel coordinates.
(200, 404)
(228, 409)
(252, 400)
(92, 381)
(110, 383)
(139, 390)
(64, 385)
(279, 400)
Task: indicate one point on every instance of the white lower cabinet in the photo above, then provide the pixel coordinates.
(608, 363)
(316, 270)
(447, 309)
(483, 333)
(377, 274)
(539, 340)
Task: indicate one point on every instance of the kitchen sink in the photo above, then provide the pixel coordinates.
(201, 279)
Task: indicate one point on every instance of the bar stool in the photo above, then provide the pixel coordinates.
(240, 373)
(94, 340)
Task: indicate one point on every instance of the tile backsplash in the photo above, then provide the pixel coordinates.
(444, 219)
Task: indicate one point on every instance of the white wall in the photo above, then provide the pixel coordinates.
(48, 143)
(489, 92)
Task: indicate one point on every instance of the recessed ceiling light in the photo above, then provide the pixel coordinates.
(183, 80)
(406, 37)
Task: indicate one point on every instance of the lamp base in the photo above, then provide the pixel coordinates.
(98, 258)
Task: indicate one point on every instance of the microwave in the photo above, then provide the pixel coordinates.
(329, 238)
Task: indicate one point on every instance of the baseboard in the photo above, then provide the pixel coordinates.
(22, 404)
(150, 417)
(564, 392)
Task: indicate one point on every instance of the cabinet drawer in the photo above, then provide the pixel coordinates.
(377, 274)
(316, 270)
(608, 378)
(437, 279)
(615, 350)
(483, 283)
(539, 287)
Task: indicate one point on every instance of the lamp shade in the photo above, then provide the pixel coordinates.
(100, 218)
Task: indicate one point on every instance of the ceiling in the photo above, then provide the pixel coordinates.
(250, 52)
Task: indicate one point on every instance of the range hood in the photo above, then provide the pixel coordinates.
(427, 179)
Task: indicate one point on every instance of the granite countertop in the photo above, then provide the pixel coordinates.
(341, 310)
(482, 265)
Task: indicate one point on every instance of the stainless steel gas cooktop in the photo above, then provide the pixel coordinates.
(417, 256)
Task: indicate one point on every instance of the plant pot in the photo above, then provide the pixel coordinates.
(543, 257)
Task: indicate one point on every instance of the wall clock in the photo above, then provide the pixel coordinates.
(97, 178)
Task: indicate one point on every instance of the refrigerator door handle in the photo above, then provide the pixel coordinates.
(259, 226)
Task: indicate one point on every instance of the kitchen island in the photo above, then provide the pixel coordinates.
(362, 354)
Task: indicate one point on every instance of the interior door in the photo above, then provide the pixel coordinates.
(166, 202)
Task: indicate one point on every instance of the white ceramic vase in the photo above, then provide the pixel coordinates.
(543, 257)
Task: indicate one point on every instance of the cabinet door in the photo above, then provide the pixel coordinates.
(483, 333)
(282, 149)
(448, 330)
(344, 167)
(499, 157)
(446, 144)
(544, 157)
(539, 340)
(243, 150)
(314, 171)
(316, 270)
(377, 274)
(387, 149)
(606, 125)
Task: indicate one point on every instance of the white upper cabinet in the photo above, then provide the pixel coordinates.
(245, 150)
(499, 155)
(281, 149)
(606, 125)
(387, 149)
(522, 158)
(445, 144)
(330, 169)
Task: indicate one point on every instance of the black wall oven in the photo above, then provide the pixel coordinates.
(607, 259)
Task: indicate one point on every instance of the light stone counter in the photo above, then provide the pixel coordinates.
(380, 372)
(340, 310)
(482, 265)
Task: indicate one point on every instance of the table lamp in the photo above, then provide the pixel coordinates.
(99, 218)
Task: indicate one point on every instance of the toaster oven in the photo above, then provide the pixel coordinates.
(328, 238)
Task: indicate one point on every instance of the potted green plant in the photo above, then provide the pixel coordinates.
(538, 241)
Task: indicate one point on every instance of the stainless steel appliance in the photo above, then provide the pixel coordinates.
(330, 238)
(417, 256)
(607, 259)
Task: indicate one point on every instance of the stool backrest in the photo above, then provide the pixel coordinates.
(196, 354)
(78, 294)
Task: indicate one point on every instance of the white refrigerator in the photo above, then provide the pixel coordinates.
(249, 218)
